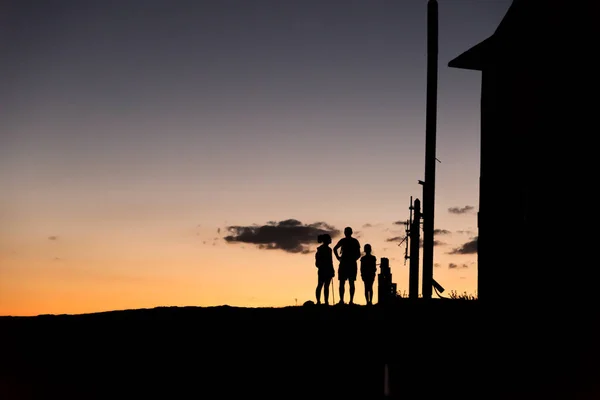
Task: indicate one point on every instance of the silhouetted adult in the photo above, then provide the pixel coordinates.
(368, 270)
(324, 263)
(348, 262)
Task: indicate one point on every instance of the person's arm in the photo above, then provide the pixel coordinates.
(335, 249)
(358, 247)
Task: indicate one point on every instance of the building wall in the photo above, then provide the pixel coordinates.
(507, 118)
(538, 177)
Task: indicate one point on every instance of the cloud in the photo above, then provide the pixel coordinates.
(399, 222)
(53, 237)
(289, 235)
(467, 248)
(456, 266)
(395, 239)
(459, 210)
(441, 232)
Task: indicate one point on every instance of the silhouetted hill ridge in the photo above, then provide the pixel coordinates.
(235, 351)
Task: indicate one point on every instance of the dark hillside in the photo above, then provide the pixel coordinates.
(441, 347)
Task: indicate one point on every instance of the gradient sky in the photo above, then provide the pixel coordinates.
(139, 138)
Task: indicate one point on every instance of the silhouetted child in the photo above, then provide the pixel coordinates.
(368, 270)
(324, 263)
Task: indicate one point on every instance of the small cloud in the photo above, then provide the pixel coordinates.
(456, 266)
(395, 239)
(461, 210)
(367, 225)
(467, 248)
(441, 232)
(53, 237)
(399, 222)
(437, 265)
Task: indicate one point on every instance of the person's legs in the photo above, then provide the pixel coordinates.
(342, 277)
(369, 285)
(326, 290)
(318, 291)
(342, 290)
(366, 290)
(351, 284)
(352, 271)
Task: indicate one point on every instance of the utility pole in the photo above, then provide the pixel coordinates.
(414, 235)
(430, 148)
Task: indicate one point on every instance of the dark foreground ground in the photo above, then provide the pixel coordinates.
(445, 348)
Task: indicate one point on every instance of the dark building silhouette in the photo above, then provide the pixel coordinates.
(538, 128)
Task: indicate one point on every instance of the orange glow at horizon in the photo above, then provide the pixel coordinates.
(187, 271)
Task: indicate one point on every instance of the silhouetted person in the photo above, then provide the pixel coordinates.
(368, 270)
(348, 262)
(324, 263)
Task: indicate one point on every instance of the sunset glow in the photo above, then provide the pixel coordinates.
(137, 136)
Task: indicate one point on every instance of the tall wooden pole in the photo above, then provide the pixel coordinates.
(430, 147)
(414, 242)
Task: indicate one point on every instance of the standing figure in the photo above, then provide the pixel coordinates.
(324, 263)
(348, 262)
(368, 270)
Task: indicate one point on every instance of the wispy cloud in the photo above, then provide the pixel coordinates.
(461, 210)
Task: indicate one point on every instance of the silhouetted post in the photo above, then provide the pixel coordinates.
(384, 284)
(430, 144)
(413, 274)
(407, 225)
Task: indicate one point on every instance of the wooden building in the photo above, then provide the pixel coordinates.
(538, 127)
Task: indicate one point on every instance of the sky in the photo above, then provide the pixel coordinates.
(188, 153)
